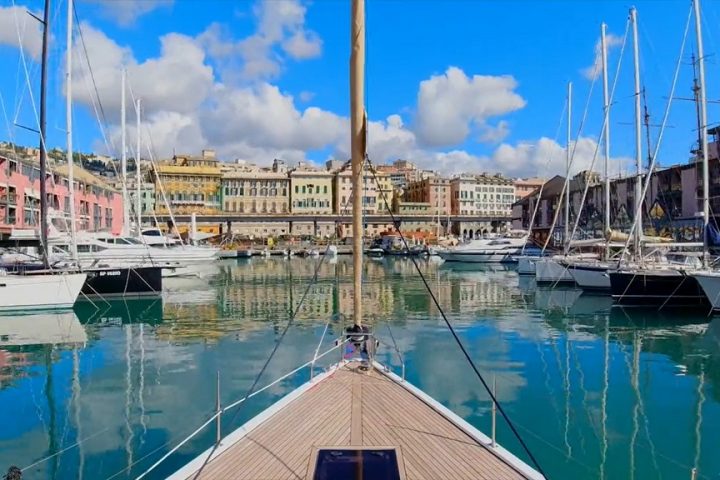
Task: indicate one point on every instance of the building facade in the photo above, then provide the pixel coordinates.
(526, 186)
(435, 191)
(98, 207)
(311, 191)
(247, 188)
(189, 184)
(375, 193)
(494, 196)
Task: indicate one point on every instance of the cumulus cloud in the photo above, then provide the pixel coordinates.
(594, 70)
(495, 133)
(280, 33)
(256, 121)
(452, 104)
(126, 12)
(18, 29)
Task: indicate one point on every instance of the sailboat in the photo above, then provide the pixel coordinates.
(357, 419)
(662, 284)
(593, 275)
(550, 269)
(41, 289)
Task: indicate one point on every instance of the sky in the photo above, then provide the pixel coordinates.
(452, 85)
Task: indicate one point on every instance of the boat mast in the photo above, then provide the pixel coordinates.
(123, 156)
(606, 133)
(638, 134)
(43, 150)
(357, 144)
(703, 131)
(566, 240)
(138, 202)
(69, 126)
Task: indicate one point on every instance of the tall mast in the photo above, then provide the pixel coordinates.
(357, 144)
(69, 127)
(703, 130)
(138, 202)
(638, 133)
(43, 151)
(566, 240)
(123, 157)
(606, 122)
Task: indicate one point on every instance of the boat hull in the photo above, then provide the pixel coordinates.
(657, 289)
(526, 264)
(40, 291)
(710, 284)
(123, 282)
(593, 278)
(476, 257)
(548, 270)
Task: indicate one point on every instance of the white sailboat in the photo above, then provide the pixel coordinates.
(357, 416)
(44, 289)
(592, 275)
(549, 269)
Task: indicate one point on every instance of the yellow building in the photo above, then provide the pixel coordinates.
(188, 184)
(375, 192)
(311, 190)
(247, 188)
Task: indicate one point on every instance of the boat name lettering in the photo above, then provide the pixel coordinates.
(111, 273)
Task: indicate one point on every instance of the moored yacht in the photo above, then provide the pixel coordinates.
(488, 250)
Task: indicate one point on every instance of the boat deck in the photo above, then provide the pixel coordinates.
(354, 409)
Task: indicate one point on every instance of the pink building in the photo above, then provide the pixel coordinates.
(434, 190)
(97, 205)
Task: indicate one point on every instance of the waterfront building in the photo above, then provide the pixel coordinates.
(462, 192)
(147, 195)
(375, 192)
(494, 196)
(310, 191)
(435, 191)
(247, 188)
(189, 184)
(98, 206)
(526, 186)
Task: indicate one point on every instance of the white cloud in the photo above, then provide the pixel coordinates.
(188, 108)
(126, 12)
(594, 70)
(496, 133)
(302, 45)
(18, 29)
(451, 104)
(280, 32)
(178, 80)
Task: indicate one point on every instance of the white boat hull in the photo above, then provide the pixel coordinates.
(548, 270)
(40, 291)
(526, 264)
(591, 277)
(710, 284)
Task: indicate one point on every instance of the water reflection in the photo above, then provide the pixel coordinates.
(621, 393)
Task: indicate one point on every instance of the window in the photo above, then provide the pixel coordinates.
(303, 189)
(325, 189)
(297, 188)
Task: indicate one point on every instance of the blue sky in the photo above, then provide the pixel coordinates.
(455, 85)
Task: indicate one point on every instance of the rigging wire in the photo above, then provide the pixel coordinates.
(489, 391)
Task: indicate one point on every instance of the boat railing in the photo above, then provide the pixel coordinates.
(216, 417)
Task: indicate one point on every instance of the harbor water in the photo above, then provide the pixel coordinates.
(597, 392)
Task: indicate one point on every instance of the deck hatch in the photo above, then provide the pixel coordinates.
(356, 464)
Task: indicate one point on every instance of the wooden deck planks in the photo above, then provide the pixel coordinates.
(363, 409)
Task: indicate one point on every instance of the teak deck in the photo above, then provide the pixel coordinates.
(349, 407)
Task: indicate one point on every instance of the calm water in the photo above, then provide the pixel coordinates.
(596, 392)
